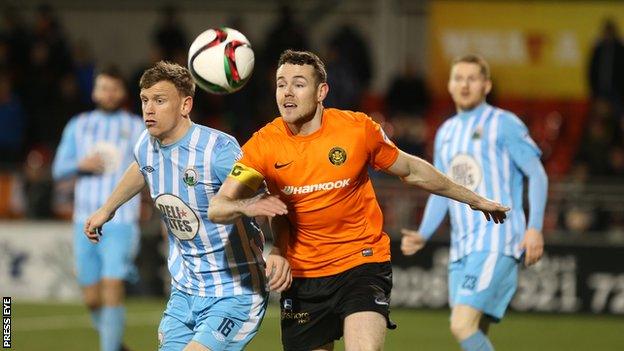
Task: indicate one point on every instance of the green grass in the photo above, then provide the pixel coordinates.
(67, 327)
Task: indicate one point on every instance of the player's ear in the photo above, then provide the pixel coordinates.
(187, 106)
(488, 86)
(321, 92)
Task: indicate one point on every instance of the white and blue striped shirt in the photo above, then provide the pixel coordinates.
(482, 149)
(205, 259)
(110, 135)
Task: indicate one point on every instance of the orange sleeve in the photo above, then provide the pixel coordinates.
(381, 149)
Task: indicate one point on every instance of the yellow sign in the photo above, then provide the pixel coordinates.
(535, 49)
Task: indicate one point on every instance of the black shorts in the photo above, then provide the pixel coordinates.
(313, 309)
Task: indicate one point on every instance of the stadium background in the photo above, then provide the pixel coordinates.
(388, 58)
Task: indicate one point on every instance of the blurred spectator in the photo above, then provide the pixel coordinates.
(48, 33)
(49, 60)
(345, 87)
(408, 94)
(15, 49)
(38, 183)
(84, 68)
(170, 36)
(12, 120)
(606, 72)
(576, 214)
(354, 50)
(67, 102)
(285, 34)
(407, 100)
(596, 144)
(616, 163)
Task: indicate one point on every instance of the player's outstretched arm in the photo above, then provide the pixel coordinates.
(235, 199)
(130, 184)
(418, 172)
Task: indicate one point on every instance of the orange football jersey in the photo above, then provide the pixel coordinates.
(336, 222)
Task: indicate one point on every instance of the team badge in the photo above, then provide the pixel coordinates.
(477, 134)
(190, 177)
(337, 156)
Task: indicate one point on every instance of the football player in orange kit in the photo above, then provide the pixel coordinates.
(331, 258)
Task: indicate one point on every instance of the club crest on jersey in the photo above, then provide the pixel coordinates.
(190, 177)
(337, 156)
(477, 134)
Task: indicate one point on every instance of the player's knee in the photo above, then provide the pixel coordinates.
(461, 328)
(113, 292)
(92, 302)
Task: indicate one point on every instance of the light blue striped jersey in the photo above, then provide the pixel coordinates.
(481, 149)
(110, 135)
(205, 259)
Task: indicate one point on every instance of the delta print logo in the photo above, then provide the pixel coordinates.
(337, 156)
(180, 219)
(190, 177)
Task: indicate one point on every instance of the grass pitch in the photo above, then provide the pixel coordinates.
(55, 326)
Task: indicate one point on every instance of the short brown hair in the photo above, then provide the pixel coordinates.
(305, 58)
(476, 59)
(171, 72)
(112, 71)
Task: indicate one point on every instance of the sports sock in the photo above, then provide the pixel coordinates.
(96, 318)
(477, 342)
(111, 332)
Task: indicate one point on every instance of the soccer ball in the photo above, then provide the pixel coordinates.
(221, 60)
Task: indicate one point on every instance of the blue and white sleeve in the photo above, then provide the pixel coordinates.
(437, 206)
(526, 154)
(66, 160)
(227, 151)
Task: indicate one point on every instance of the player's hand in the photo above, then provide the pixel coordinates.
(264, 205)
(278, 271)
(491, 210)
(92, 164)
(533, 244)
(93, 225)
(411, 242)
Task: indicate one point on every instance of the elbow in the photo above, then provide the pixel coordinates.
(214, 213)
(431, 186)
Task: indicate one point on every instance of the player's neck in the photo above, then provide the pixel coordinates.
(307, 126)
(177, 133)
(468, 109)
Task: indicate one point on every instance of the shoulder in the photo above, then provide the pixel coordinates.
(447, 124)
(509, 123)
(143, 139)
(221, 139)
(270, 131)
(346, 116)
(444, 128)
(78, 121)
(508, 118)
